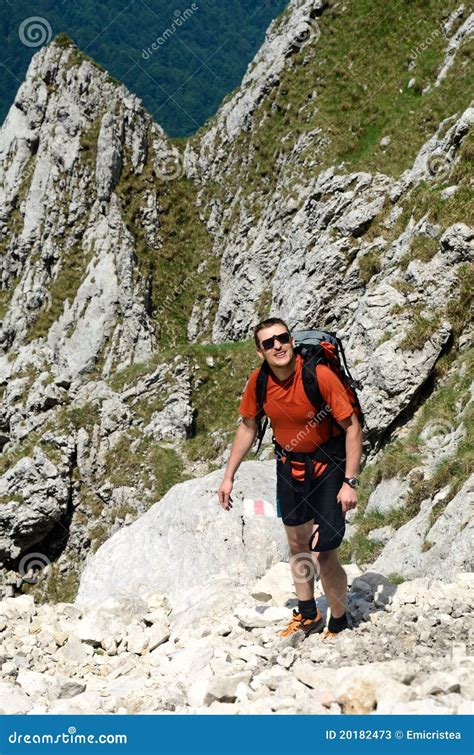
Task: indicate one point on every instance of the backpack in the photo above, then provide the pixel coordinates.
(316, 347)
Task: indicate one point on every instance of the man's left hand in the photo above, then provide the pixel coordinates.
(347, 497)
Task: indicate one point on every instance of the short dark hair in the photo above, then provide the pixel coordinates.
(267, 324)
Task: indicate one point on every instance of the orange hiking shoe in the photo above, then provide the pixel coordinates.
(335, 627)
(308, 626)
(327, 635)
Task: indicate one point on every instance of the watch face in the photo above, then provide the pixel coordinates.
(352, 481)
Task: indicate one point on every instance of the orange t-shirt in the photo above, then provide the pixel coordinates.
(295, 424)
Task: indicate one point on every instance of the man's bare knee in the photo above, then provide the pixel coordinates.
(327, 559)
(298, 545)
(298, 538)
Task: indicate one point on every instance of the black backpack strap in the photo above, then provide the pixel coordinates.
(310, 381)
(354, 384)
(311, 386)
(261, 388)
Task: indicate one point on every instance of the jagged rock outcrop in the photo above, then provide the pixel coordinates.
(298, 28)
(62, 151)
(34, 495)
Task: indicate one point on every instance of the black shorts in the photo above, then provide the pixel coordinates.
(320, 505)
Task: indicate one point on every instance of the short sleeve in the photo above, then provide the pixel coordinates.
(248, 403)
(334, 393)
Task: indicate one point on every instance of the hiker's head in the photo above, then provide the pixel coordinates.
(277, 351)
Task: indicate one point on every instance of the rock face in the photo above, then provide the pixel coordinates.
(450, 540)
(298, 28)
(72, 224)
(35, 495)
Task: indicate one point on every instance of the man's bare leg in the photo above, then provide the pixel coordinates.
(333, 576)
(301, 561)
(334, 582)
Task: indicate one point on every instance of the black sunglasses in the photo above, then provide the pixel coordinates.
(268, 343)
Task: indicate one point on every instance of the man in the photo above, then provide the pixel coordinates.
(316, 518)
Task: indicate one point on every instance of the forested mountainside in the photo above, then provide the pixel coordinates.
(332, 187)
(181, 60)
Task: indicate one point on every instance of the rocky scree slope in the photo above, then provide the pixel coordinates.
(178, 633)
(410, 651)
(131, 268)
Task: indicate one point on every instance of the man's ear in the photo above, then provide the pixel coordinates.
(260, 354)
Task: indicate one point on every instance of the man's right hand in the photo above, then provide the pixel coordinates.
(224, 492)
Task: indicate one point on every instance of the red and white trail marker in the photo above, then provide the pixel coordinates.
(258, 507)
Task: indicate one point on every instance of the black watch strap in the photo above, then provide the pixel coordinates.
(352, 481)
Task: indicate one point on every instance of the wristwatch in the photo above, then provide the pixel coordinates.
(352, 481)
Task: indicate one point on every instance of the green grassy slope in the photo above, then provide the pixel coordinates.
(361, 80)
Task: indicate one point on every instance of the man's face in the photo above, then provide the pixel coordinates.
(279, 354)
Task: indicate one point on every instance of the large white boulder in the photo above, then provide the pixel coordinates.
(187, 547)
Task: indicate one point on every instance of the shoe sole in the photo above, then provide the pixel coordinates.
(331, 635)
(317, 627)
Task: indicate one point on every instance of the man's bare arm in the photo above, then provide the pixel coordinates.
(243, 441)
(347, 496)
(244, 438)
(353, 444)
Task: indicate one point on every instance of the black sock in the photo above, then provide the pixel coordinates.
(337, 625)
(307, 608)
